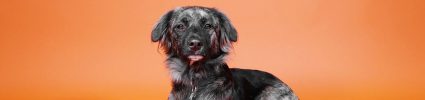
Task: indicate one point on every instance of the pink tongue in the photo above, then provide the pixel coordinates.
(195, 58)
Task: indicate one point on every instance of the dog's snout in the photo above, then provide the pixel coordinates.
(195, 45)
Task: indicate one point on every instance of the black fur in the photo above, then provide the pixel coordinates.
(210, 78)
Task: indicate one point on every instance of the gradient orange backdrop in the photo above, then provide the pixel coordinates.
(324, 49)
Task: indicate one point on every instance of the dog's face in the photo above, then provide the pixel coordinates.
(194, 33)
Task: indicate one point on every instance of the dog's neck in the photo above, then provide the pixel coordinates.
(191, 79)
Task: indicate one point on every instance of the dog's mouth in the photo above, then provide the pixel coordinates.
(194, 58)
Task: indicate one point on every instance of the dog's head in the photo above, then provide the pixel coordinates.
(194, 33)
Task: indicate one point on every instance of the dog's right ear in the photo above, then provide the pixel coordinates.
(161, 28)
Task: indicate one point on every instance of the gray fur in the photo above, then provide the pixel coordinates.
(279, 91)
(176, 68)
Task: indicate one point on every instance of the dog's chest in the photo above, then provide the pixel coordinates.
(204, 90)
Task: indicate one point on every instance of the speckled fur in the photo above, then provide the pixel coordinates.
(210, 78)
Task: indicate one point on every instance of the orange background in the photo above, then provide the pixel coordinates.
(324, 49)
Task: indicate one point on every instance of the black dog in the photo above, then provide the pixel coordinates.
(197, 40)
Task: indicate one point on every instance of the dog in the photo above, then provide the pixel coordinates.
(196, 41)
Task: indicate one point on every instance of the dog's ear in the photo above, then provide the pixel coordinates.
(227, 32)
(226, 27)
(161, 28)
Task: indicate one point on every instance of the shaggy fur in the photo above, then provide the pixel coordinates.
(196, 40)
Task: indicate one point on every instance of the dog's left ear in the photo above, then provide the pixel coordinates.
(161, 28)
(226, 26)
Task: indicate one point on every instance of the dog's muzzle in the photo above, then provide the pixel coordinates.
(195, 46)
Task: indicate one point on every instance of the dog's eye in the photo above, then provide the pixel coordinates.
(208, 26)
(180, 27)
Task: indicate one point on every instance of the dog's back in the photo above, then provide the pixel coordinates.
(260, 85)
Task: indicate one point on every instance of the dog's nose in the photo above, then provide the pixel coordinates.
(195, 45)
